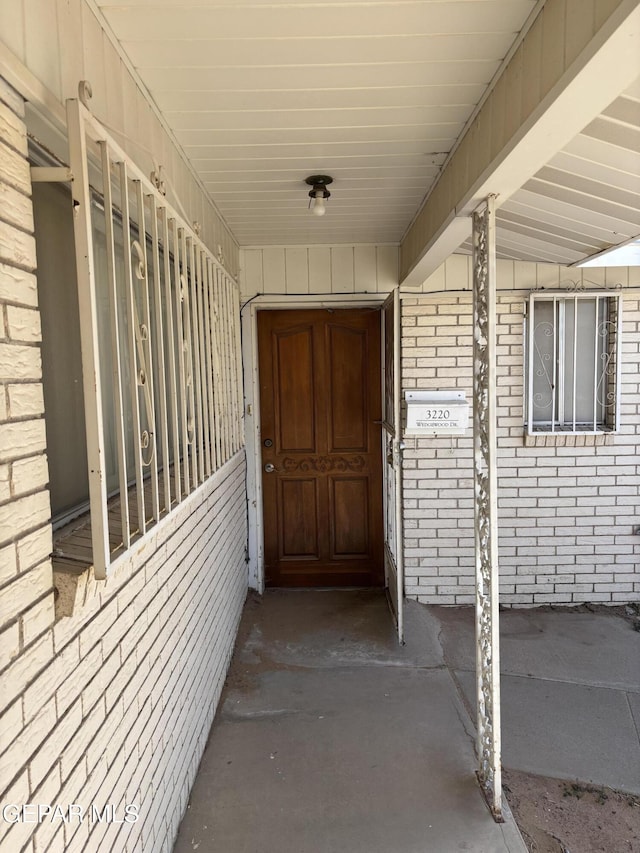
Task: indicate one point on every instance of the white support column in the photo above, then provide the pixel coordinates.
(486, 500)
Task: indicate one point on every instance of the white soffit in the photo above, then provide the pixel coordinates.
(585, 200)
(262, 94)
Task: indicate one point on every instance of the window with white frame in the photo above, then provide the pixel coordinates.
(573, 362)
(141, 348)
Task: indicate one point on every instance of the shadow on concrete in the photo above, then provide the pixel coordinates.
(332, 738)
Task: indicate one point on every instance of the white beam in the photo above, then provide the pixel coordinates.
(608, 64)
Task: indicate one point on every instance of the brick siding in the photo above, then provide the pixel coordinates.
(26, 584)
(113, 705)
(566, 513)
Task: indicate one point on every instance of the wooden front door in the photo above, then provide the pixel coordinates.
(320, 393)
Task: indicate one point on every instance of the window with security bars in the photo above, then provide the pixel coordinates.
(141, 350)
(573, 362)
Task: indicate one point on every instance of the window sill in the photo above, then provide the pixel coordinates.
(73, 575)
(74, 578)
(72, 566)
(568, 439)
(71, 585)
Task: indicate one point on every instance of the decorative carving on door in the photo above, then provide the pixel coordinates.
(323, 464)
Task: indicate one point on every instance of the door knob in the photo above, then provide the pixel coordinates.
(269, 468)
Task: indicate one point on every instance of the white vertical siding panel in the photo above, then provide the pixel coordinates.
(185, 190)
(603, 9)
(547, 275)
(531, 69)
(130, 115)
(505, 278)
(319, 270)
(202, 218)
(580, 17)
(553, 42)
(460, 175)
(365, 269)
(145, 134)
(93, 59)
(633, 274)
(12, 27)
(387, 260)
(156, 142)
(197, 206)
(114, 70)
(42, 54)
(564, 273)
(297, 270)
(169, 158)
(513, 79)
(191, 196)
(498, 116)
(342, 280)
(251, 279)
(480, 135)
(616, 275)
(230, 250)
(457, 272)
(62, 42)
(212, 233)
(524, 275)
(273, 270)
(69, 13)
(436, 281)
(593, 275)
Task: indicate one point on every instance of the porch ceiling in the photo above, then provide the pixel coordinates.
(263, 93)
(585, 199)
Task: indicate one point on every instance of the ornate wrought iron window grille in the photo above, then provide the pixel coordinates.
(573, 362)
(160, 341)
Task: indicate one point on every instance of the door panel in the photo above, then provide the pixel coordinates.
(294, 389)
(347, 389)
(299, 537)
(320, 400)
(351, 514)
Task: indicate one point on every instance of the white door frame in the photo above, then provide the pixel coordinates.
(249, 319)
(394, 557)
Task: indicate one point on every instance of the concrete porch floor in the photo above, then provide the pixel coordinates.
(331, 738)
(570, 691)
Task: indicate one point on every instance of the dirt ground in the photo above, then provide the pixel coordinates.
(630, 612)
(556, 816)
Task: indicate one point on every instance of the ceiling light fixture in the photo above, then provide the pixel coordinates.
(319, 192)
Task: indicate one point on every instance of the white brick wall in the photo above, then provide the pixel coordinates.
(26, 587)
(566, 513)
(114, 704)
